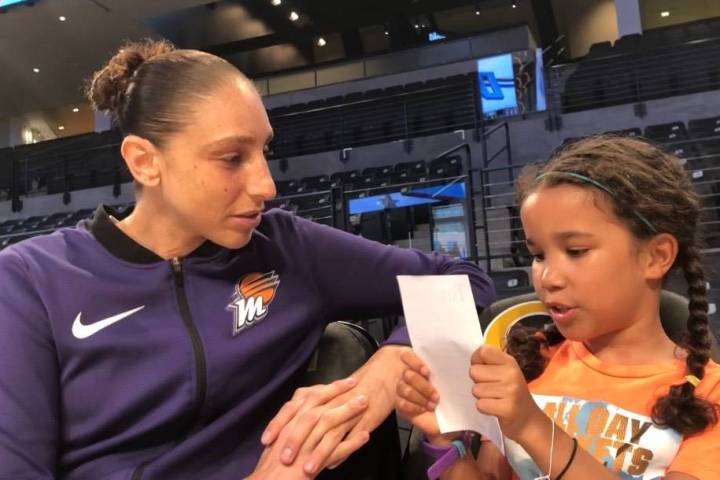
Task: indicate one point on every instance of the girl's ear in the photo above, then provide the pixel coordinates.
(660, 254)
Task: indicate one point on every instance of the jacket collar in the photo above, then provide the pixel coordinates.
(122, 246)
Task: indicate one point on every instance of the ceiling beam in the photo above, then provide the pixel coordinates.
(286, 30)
(324, 19)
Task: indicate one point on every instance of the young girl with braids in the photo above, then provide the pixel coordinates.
(603, 393)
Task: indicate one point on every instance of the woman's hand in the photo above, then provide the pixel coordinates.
(416, 398)
(270, 467)
(501, 390)
(333, 421)
(315, 423)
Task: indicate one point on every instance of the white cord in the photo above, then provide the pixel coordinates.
(552, 447)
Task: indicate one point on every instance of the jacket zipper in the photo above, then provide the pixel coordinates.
(198, 351)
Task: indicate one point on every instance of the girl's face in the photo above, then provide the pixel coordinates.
(586, 268)
(215, 178)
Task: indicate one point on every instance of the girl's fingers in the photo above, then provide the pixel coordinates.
(410, 359)
(421, 385)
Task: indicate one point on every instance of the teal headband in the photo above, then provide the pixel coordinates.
(598, 185)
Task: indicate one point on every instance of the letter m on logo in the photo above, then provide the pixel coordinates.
(247, 311)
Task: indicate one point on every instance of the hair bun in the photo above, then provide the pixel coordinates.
(110, 84)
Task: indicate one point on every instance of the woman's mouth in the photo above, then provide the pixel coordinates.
(247, 220)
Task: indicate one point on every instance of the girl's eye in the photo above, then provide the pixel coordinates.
(576, 252)
(538, 257)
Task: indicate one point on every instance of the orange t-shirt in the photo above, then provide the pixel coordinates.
(608, 407)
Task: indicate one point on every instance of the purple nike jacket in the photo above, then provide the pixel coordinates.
(118, 365)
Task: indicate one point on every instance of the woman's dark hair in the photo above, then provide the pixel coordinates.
(648, 185)
(150, 88)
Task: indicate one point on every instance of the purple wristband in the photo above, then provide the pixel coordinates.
(445, 456)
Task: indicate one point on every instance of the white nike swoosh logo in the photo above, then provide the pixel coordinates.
(80, 330)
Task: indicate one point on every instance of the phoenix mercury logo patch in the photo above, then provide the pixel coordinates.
(251, 299)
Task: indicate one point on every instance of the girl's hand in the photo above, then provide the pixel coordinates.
(416, 398)
(501, 390)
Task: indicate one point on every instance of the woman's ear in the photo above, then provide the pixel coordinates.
(141, 157)
(660, 252)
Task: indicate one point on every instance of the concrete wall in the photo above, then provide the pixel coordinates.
(681, 11)
(585, 22)
(4, 132)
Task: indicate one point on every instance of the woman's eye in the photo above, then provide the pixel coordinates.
(233, 159)
(268, 151)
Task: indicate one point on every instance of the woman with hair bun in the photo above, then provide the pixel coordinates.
(166, 342)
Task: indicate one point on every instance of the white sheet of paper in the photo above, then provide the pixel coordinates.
(444, 331)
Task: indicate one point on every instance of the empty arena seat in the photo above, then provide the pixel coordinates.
(312, 202)
(511, 282)
(600, 49)
(445, 167)
(284, 187)
(317, 182)
(280, 202)
(628, 43)
(684, 151)
(704, 127)
(709, 147)
(345, 176)
(666, 132)
(409, 177)
(374, 182)
(627, 132)
(382, 171)
(415, 167)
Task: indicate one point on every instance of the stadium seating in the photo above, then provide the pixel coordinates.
(660, 63)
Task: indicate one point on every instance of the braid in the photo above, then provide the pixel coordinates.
(680, 409)
(698, 338)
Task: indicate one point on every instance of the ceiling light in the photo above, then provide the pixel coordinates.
(387, 33)
(36, 70)
(321, 42)
(417, 26)
(277, 3)
(294, 16)
(514, 5)
(61, 127)
(62, 18)
(665, 14)
(477, 12)
(76, 110)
